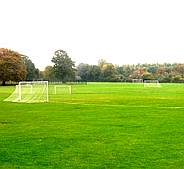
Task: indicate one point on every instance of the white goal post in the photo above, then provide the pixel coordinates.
(151, 83)
(29, 92)
(62, 86)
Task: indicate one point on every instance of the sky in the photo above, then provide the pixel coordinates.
(118, 31)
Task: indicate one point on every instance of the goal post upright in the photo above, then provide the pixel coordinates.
(47, 90)
(20, 92)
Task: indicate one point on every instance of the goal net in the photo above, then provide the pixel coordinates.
(29, 92)
(151, 83)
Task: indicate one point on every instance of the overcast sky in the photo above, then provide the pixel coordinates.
(119, 31)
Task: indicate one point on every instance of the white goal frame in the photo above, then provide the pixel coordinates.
(32, 83)
(137, 80)
(62, 86)
(151, 83)
(30, 92)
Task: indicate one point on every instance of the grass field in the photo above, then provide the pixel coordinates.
(101, 125)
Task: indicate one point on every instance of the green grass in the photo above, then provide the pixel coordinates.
(101, 125)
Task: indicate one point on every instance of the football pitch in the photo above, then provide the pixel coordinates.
(99, 125)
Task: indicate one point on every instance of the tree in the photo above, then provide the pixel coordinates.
(108, 72)
(63, 66)
(128, 71)
(95, 73)
(12, 66)
(83, 71)
(101, 63)
(179, 68)
(147, 76)
(49, 73)
(88, 72)
(137, 74)
(32, 72)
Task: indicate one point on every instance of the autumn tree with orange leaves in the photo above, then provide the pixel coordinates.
(12, 67)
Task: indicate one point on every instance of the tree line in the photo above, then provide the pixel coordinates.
(17, 67)
(105, 71)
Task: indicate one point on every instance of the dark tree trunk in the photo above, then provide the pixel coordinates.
(3, 83)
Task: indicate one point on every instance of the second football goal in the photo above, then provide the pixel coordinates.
(62, 89)
(151, 83)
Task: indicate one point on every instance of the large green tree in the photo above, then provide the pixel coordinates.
(64, 67)
(88, 72)
(32, 71)
(49, 73)
(12, 67)
(108, 72)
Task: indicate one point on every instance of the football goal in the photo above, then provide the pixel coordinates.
(62, 89)
(151, 83)
(137, 80)
(29, 92)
